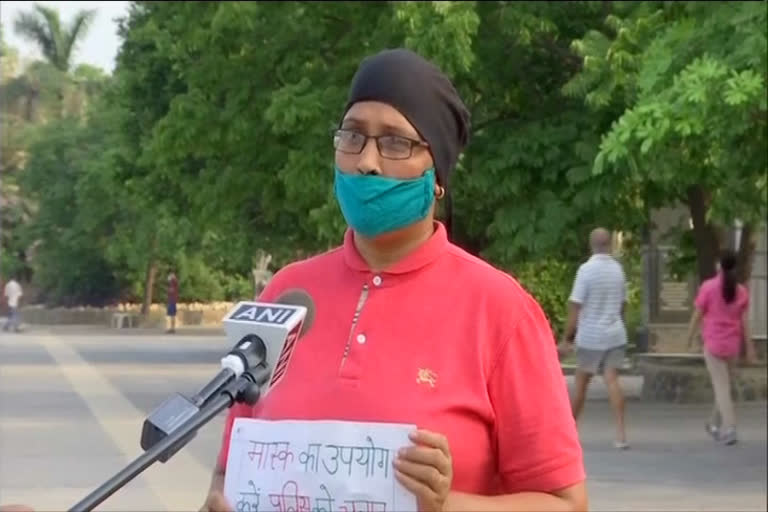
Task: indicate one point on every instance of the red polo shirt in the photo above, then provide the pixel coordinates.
(442, 340)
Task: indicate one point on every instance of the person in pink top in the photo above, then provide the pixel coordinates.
(409, 328)
(722, 311)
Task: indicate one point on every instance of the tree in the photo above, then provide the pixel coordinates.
(245, 142)
(43, 27)
(9, 59)
(67, 257)
(261, 146)
(221, 122)
(14, 208)
(691, 78)
(281, 188)
(145, 84)
(523, 189)
(50, 82)
(29, 98)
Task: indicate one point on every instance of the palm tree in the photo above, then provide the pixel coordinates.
(9, 59)
(57, 43)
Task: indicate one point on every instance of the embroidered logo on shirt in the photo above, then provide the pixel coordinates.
(426, 376)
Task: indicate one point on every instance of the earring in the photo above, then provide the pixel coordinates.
(440, 192)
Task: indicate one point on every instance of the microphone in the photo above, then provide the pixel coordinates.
(266, 335)
(279, 326)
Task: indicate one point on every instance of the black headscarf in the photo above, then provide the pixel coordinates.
(426, 97)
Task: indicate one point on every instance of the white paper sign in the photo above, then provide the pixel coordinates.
(316, 466)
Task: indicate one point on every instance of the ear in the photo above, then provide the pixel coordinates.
(439, 192)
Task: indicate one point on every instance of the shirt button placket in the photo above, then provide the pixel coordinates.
(361, 338)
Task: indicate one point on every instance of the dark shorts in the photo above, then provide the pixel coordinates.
(171, 309)
(597, 361)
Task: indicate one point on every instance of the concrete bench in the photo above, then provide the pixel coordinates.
(626, 367)
(761, 346)
(120, 320)
(671, 357)
(682, 377)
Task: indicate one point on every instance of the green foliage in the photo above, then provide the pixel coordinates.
(280, 187)
(681, 258)
(67, 259)
(696, 114)
(211, 142)
(524, 189)
(549, 282)
(14, 209)
(29, 98)
(15, 212)
(632, 264)
(199, 282)
(690, 81)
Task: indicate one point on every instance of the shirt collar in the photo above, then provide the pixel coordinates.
(422, 256)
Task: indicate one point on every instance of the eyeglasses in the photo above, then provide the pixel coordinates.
(392, 147)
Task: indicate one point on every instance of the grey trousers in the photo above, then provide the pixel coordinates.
(14, 320)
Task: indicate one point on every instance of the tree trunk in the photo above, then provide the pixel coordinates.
(149, 280)
(744, 258)
(62, 105)
(29, 105)
(746, 253)
(704, 234)
(607, 8)
(149, 284)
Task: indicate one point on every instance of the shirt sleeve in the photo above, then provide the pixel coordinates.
(579, 291)
(702, 298)
(538, 448)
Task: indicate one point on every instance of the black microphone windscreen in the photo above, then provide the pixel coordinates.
(299, 297)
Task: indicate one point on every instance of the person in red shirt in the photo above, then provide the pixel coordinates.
(410, 328)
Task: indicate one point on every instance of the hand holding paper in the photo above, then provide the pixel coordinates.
(216, 502)
(426, 469)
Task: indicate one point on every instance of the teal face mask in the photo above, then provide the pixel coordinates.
(373, 204)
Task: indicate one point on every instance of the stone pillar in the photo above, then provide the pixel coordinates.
(757, 285)
(758, 294)
(669, 298)
(642, 334)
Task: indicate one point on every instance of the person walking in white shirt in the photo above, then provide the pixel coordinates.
(13, 293)
(596, 323)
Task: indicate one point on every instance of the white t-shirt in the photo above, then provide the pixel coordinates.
(13, 293)
(601, 289)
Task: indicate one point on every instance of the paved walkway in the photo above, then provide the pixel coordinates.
(72, 402)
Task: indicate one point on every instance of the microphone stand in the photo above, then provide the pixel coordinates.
(245, 389)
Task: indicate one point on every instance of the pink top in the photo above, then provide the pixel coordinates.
(442, 340)
(721, 327)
